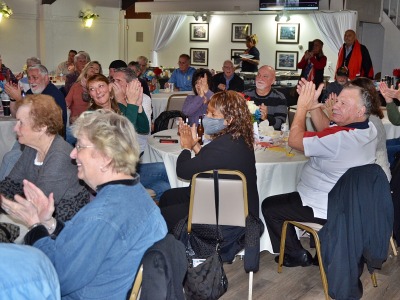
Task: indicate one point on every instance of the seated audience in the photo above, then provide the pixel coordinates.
(80, 61)
(273, 105)
(24, 82)
(102, 96)
(45, 159)
(98, 252)
(152, 175)
(116, 64)
(342, 77)
(351, 142)
(227, 80)
(375, 117)
(144, 67)
(229, 123)
(67, 66)
(313, 63)
(27, 273)
(392, 145)
(196, 105)
(182, 77)
(78, 97)
(5, 72)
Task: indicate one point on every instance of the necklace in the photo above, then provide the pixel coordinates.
(39, 160)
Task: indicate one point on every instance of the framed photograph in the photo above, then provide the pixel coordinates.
(287, 33)
(199, 56)
(240, 31)
(199, 32)
(235, 55)
(286, 60)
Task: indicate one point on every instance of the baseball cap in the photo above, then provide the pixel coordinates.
(342, 71)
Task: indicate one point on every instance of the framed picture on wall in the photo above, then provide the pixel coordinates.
(287, 33)
(199, 32)
(199, 56)
(235, 55)
(286, 60)
(240, 31)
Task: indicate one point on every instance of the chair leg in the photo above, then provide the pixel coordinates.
(282, 247)
(374, 281)
(321, 265)
(394, 249)
(250, 285)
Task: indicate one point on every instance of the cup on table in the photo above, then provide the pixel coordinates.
(6, 107)
(171, 86)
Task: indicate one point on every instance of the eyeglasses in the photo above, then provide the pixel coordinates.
(79, 147)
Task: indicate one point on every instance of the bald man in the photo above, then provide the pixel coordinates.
(272, 103)
(227, 79)
(355, 57)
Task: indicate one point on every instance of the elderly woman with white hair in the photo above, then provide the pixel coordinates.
(97, 253)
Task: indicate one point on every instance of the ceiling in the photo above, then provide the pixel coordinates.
(123, 4)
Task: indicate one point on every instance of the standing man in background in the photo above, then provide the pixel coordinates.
(355, 57)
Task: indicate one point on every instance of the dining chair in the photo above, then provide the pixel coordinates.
(373, 180)
(162, 271)
(233, 206)
(175, 102)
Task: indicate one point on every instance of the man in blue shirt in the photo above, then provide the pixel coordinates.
(227, 80)
(182, 77)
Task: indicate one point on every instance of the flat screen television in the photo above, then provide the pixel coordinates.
(289, 5)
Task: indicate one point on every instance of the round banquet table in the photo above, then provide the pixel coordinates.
(159, 101)
(7, 134)
(276, 173)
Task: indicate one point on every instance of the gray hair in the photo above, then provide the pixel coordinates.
(82, 54)
(33, 61)
(365, 97)
(42, 69)
(146, 60)
(113, 135)
(130, 75)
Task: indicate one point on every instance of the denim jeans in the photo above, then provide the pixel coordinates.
(392, 146)
(9, 160)
(154, 176)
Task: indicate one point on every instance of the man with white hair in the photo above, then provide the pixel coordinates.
(227, 80)
(80, 61)
(273, 104)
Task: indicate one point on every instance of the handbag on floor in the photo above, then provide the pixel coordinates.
(206, 280)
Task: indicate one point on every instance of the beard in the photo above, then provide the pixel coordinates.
(261, 85)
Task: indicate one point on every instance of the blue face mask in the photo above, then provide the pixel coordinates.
(212, 125)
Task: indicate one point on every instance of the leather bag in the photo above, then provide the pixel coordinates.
(206, 281)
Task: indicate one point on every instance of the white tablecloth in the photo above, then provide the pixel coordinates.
(160, 101)
(276, 173)
(7, 135)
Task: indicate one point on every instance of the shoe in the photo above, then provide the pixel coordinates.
(304, 259)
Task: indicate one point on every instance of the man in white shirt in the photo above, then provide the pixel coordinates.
(332, 150)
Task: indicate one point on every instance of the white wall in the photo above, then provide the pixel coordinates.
(50, 31)
(220, 44)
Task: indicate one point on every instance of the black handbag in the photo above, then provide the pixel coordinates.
(206, 281)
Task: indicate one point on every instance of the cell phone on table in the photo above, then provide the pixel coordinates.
(161, 136)
(168, 141)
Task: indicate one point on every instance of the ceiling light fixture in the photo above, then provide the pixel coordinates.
(87, 18)
(282, 17)
(5, 11)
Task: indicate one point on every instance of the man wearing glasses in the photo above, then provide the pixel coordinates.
(182, 77)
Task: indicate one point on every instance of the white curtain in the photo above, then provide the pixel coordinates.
(333, 26)
(165, 27)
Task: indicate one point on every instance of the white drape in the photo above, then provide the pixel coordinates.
(333, 26)
(165, 27)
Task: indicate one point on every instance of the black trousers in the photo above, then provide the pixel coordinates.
(280, 208)
(174, 205)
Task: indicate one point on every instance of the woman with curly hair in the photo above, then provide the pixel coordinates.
(229, 123)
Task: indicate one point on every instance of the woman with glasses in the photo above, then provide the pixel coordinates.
(45, 159)
(98, 252)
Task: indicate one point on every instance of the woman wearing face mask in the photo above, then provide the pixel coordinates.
(229, 123)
